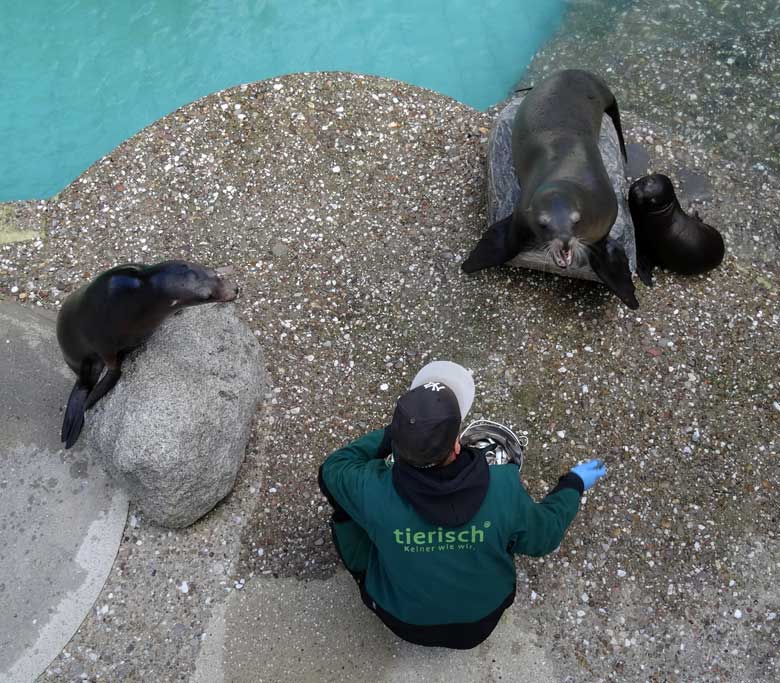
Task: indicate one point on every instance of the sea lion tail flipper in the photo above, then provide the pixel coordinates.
(609, 262)
(74, 415)
(499, 244)
(614, 114)
(105, 385)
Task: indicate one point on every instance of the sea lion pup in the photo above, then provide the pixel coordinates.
(666, 236)
(567, 204)
(121, 308)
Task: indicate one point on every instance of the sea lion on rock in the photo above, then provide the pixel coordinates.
(121, 308)
(668, 237)
(567, 202)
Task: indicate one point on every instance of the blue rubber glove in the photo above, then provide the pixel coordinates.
(590, 472)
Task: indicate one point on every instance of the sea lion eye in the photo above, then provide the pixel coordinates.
(544, 219)
(575, 216)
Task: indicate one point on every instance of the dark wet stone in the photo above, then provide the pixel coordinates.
(694, 186)
(638, 160)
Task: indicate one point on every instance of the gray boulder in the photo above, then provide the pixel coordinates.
(504, 190)
(174, 429)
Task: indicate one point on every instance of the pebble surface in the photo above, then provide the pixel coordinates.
(345, 205)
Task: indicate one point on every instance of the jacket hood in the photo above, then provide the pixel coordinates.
(446, 496)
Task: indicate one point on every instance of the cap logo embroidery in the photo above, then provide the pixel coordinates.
(434, 386)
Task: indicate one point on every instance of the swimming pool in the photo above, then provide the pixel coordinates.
(80, 77)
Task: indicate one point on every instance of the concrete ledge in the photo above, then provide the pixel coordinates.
(61, 520)
(312, 631)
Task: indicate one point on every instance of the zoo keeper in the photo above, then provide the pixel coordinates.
(431, 538)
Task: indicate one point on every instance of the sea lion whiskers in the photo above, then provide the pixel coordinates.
(561, 252)
(546, 249)
(555, 252)
(579, 249)
(543, 252)
(577, 253)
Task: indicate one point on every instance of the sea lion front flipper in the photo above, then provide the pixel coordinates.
(73, 421)
(105, 385)
(614, 114)
(609, 262)
(644, 267)
(501, 242)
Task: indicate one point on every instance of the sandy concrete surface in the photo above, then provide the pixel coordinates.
(60, 518)
(319, 630)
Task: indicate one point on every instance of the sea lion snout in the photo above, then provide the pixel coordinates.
(226, 291)
(189, 284)
(562, 253)
(215, 289)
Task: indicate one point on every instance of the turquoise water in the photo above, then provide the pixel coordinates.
(79, 77)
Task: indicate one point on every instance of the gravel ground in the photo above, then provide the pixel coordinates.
(345, 205)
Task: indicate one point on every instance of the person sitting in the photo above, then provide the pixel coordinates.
(431, 538)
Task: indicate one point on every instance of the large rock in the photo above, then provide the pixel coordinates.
(504, 190)
(174, 429)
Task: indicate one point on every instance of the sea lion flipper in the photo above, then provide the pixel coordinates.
(644, 267)
(609, 262)
(613, 113)
(73, 421)
(500, 243)
(105, 385)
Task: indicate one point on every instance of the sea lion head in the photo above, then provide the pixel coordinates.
(652, 194)
(182, 283)
(555, 214)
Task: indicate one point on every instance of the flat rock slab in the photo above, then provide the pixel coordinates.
(61, 520)
(312, 631)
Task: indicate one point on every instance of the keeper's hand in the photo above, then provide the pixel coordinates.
(590, 472)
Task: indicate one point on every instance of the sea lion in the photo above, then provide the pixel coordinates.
(567, 203)
(666, 236)
(121, 308)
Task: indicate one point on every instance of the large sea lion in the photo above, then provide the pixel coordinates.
(567, 203)
(100, 322)
(666, 236)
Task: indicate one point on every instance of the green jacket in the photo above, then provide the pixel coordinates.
(424, 573)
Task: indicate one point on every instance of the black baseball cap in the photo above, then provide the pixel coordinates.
(427, 418)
